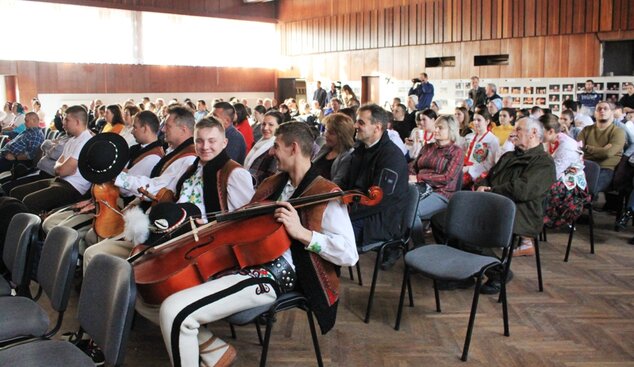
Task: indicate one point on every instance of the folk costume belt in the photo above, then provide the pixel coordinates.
(283, 273)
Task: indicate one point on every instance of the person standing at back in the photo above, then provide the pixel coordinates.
(424, 90)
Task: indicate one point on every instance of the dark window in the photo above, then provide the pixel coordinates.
(434, 62)
(484, 60)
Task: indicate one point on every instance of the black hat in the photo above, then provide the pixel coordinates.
(166, 221)
(103, 157)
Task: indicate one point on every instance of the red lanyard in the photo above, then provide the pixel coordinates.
(471, 145)
(425, 138)
(552, 147)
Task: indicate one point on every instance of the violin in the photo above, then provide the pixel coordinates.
(164, 195)
(246, 237)
(108, 221)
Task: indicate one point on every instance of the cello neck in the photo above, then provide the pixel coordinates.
(269, 208)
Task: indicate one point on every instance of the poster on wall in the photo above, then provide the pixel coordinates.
(525, 93)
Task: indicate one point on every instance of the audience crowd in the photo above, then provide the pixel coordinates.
(216, 156)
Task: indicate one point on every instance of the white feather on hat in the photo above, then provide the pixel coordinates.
(137, 225)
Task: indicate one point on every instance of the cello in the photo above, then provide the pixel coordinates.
(108, 221)
(246, 237)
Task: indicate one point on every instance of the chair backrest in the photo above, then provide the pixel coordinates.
(57, 265)
(22, 231)
(483, 219)
(592, 170)
(106, 304)
(411, 212)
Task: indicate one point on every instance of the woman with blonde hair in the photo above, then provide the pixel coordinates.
(333, 160)
(438, 167)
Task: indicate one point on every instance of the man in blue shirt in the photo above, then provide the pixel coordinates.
(424, 90)
(25, 145)
(589, 98)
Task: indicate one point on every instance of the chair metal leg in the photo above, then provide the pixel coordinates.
(437, 296)
(508, 255)
(399, 313)
(259, 331)
(544, 236)
(505, 311)
(375, 275)
(411, 295)
(591, 221)
(474, 309)
(409, 280)
(571, 232)
(350, 272)
(359, 272)
(233, 331)
(313, 333)
(267, 338)
(539, 266)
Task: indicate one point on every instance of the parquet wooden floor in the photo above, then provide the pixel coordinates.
(584, 317)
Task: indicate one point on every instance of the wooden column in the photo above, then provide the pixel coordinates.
(10, 88)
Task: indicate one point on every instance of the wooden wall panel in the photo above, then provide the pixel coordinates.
(465, 21)
(554, 14)
(432, 51)
(452, 49)
(576, 54)
(512, 47)
(401, 67)
(486, 19)
(416, 61)
(533, 57)
(429, 21)
(386, 61)
(408, 22)
(578, 16)
(34, 78)
(552, 57)
(371, 62)
(541, 23)
(606, 15)
(456, 22)
(492, 47)
(464, 61)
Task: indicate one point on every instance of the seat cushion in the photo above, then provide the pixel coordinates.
(21, 316)
(376, 245)
(447, 263)
(249, 315)
(5, 287)
(41, 353)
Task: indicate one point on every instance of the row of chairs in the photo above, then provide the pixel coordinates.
(442, 263)
(428, 259)
(106, 303)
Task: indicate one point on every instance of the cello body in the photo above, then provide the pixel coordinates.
(107, 223)
(247, 237)
(186, 262)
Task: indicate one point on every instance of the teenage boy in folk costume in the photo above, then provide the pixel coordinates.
(322, 238)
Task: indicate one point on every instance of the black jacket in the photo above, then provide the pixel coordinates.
(382, 165)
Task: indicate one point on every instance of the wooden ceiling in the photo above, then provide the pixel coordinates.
(231, 9)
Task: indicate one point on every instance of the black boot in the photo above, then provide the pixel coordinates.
(623, 220)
